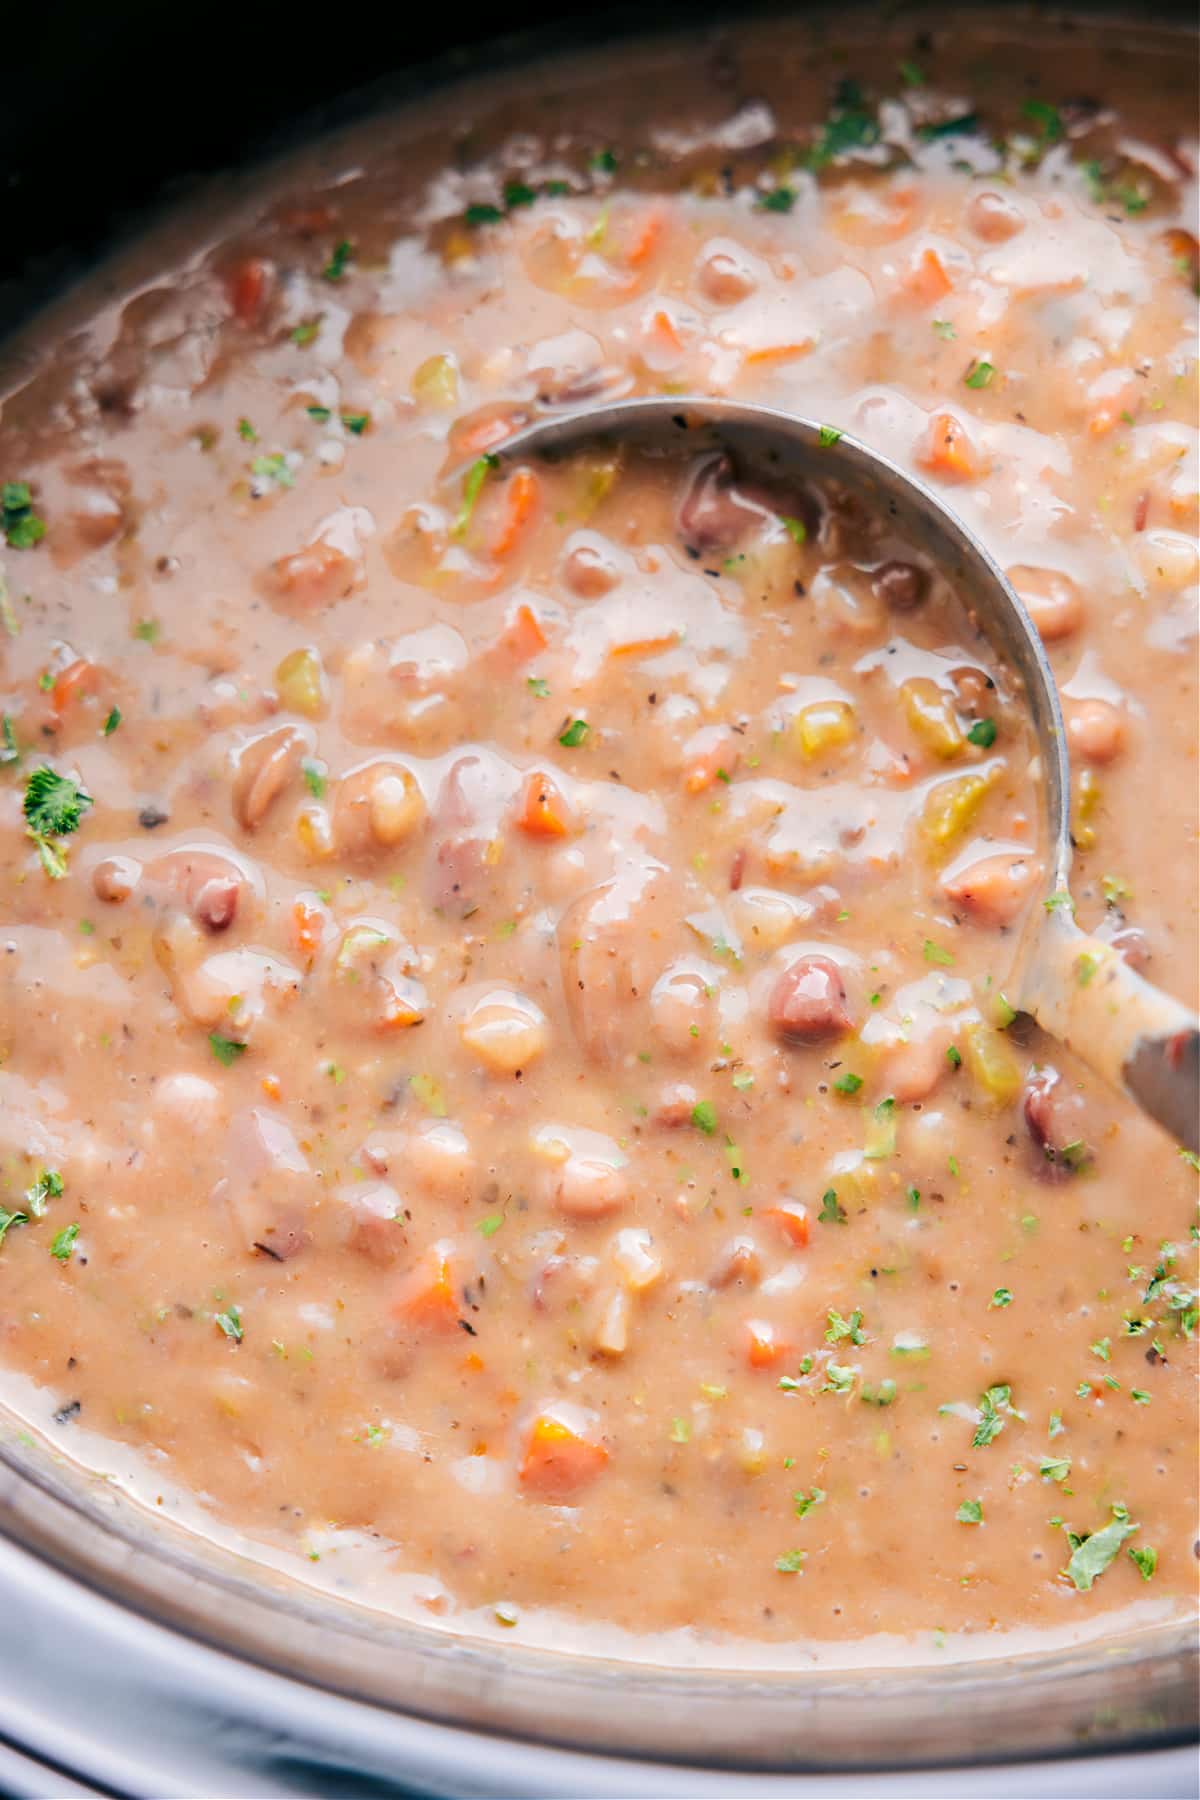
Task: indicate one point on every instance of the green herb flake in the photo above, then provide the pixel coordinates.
(681, 1431)
(954, 1056)
(490, 1226)
(226, 1050)
(47, 1184)
(1001, 1298)
(314, 774)
(743, 1080)
(483, 213)
(944, 329)
(779, 200)
(970, 1513)
(473, 482)
(791, 1562)
(335, 268)
(796, 529)
(10, 751)
(538, 686)
(575, 734)
(1047, 118)
(63, 1245)
(839, 1328)
(982, 733)
(828, 436)
(1139, 1396)
(1114, 890)
(1092, 1554)
(980, 374)
(306, 332)
(112, 722)
(8, 1220)
(230, 1322)
(356, 422)
(832, 1211)
(1054, 1468)
(804, 1503)
(21, 526)
(1085, 967)
(1059, 901)
(993, 1405)
(961, 125)
(839, 1378)
(604, 162)
(321, 415)
(911, 75)
(1144, 1560)
(935, 954)
(246, 431)
(1102, 1348)
(273, 468)
(849, 1083)
(883, 1395)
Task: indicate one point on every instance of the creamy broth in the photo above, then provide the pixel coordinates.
(503, 1047)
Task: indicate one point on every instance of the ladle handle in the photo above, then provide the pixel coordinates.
(1082, 991)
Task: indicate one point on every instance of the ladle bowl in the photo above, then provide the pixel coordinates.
(1079, 988)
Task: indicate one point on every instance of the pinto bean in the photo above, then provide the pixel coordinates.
(1052, 600)
(994, 889)
(313, 577)
(738, 1262)
(808, 1001)
(724, 278)
(994, 217)
(1130, 940)
(262, 769)
(376, 808)
(114, 879)
(902, 586)
(207, 884)
(588, 572)
(712, 515)
(1096, 729)
(588, 1188)
(1056, 1120)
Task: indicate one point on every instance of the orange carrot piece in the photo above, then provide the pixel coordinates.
(558, 1460)
(949, 451)
(427, 1295)
(791, 1216)
(79, 677)
(248, 287)
(774, 353)
(544, 813)
(476, 436)
(663, 326)
(645, 240)
(308, 927)
(764, 1347)
(647, 646)
(522, 636)
(929, 281)
(519, 498)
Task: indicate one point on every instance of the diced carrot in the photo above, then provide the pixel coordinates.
(308, 927)
(1184, 251)
(791, 1216)
(544, 813)
(663, 327)
(645, 239)
(474, 1362)
(519, 500)
(249, 286)
(272, 1087)
(928, 281)
(764, 1347)
(474, 437)
(775, 353)
(949, 451)
(78, 678)
(427, 1295)
(522, 636)
(710, 755)
(397, 1011)
(559, 1460)
(645, 646)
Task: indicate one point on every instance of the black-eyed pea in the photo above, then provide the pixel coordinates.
(590, 1187)
(681, 1012)
(505, 1031)
(114, 879)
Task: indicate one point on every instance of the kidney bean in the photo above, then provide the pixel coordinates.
(808, 1001)
(902, 586)
(712, 514)
(262, 769)
(1056, 1121)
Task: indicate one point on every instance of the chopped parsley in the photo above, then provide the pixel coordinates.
(779, 200)
(828, 436)
(850, 126)
(839, 1379)
(53, 806)
(704, 1116)
(1145, 1560)
(538, 686)
(112, 721)
(1047, 118)
(796, 529)
(64, 1243)
(993, 1404)
(489, 1226)
(335, 268)
(306, 332)
(226, 1050)
(832, 1211)
(935, 954)
(840, 1328)
(1054, 1468)
(1001, 1298)
(21, 525)
(960, 126)
(849, 1083)
(575, 734)
(246, 431)
(1059, 901)
(473, 482)
(883, 1395)
(8, 1219)
(516, 193)
(321, 414)
(604, 162)
(1092, 1552)
(982, 733)
(483, 213)
(314, 777)
(9, 749)
(46, 1185)
(356, 422)
(944, 329)
(791, 1562)
(970, 1513)
(804, 1503)
(980, 374)
(954, 1056)
(273, 468)
(230, 1322)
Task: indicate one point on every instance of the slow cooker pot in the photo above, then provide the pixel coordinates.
(139, 1659)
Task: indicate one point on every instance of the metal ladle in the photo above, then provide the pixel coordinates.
(1078, 987)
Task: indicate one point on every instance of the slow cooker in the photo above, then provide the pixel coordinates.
(139, 1659)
